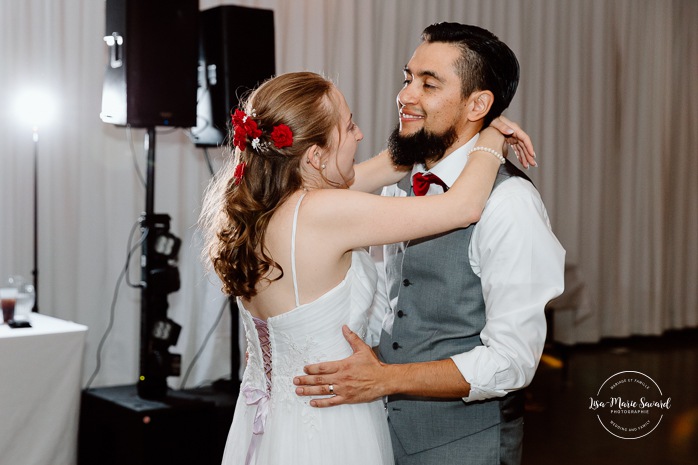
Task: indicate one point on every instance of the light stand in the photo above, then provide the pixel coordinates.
(35, 271)
(34, 108)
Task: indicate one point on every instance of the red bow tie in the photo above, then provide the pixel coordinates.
(422, 181)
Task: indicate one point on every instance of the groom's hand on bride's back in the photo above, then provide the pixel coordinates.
(353, 380)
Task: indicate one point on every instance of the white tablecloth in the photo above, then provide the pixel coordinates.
(40, 376)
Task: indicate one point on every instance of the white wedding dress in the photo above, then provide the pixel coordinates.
(274, 426)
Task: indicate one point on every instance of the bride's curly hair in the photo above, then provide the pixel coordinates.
(237, 209)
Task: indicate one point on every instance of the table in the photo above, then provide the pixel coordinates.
(40, 376)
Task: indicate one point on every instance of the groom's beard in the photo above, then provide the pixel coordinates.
(420, 147)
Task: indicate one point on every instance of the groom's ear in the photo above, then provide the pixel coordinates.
(478, 105)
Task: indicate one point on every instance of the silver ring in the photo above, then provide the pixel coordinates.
(331, 388)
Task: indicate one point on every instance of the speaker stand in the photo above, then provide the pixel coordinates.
(158, 278)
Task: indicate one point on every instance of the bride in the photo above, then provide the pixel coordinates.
(285, 221)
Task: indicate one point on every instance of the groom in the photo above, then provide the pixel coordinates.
(466, 326)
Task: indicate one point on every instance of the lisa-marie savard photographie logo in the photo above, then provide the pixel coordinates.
(629, 405)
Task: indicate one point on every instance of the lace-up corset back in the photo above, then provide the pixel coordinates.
(265, 346)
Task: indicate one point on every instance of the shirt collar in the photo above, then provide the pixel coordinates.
(450, 167)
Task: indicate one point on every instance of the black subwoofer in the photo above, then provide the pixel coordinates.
(186, 427)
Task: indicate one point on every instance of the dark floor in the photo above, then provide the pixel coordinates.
(560, 428)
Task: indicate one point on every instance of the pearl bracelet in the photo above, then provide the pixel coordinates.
(499, 156)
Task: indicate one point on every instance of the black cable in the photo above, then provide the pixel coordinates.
(207, 157)
(208, 162)
(139, 284)
(113, 303)
(124, 273)
(203, 345)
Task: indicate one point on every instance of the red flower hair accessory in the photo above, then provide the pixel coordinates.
(239, 173)
(245, 127)
(282, 136)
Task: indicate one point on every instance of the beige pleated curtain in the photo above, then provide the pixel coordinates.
(608, 92)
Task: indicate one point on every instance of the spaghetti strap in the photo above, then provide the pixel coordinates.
(293, 249)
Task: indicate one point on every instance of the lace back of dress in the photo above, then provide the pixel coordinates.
(265, 344)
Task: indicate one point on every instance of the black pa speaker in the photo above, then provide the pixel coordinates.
(151, 77)
(236, 54)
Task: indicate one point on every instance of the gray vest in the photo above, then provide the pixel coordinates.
(440, 312)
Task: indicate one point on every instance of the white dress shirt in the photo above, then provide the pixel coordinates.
(521, 266)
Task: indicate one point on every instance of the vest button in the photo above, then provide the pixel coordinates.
(396, 345)
(400, 313)
(406, 282)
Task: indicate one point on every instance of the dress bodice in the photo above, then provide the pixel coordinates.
(311, 332)
(274, 425)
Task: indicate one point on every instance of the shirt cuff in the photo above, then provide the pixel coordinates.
(481, 377)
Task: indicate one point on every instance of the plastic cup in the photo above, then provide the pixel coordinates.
(8, 299)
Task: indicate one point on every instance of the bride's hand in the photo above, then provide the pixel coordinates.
(517, 139)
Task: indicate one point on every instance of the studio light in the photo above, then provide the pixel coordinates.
(35, 107)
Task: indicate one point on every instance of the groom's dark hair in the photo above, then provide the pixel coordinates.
(486, 63)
